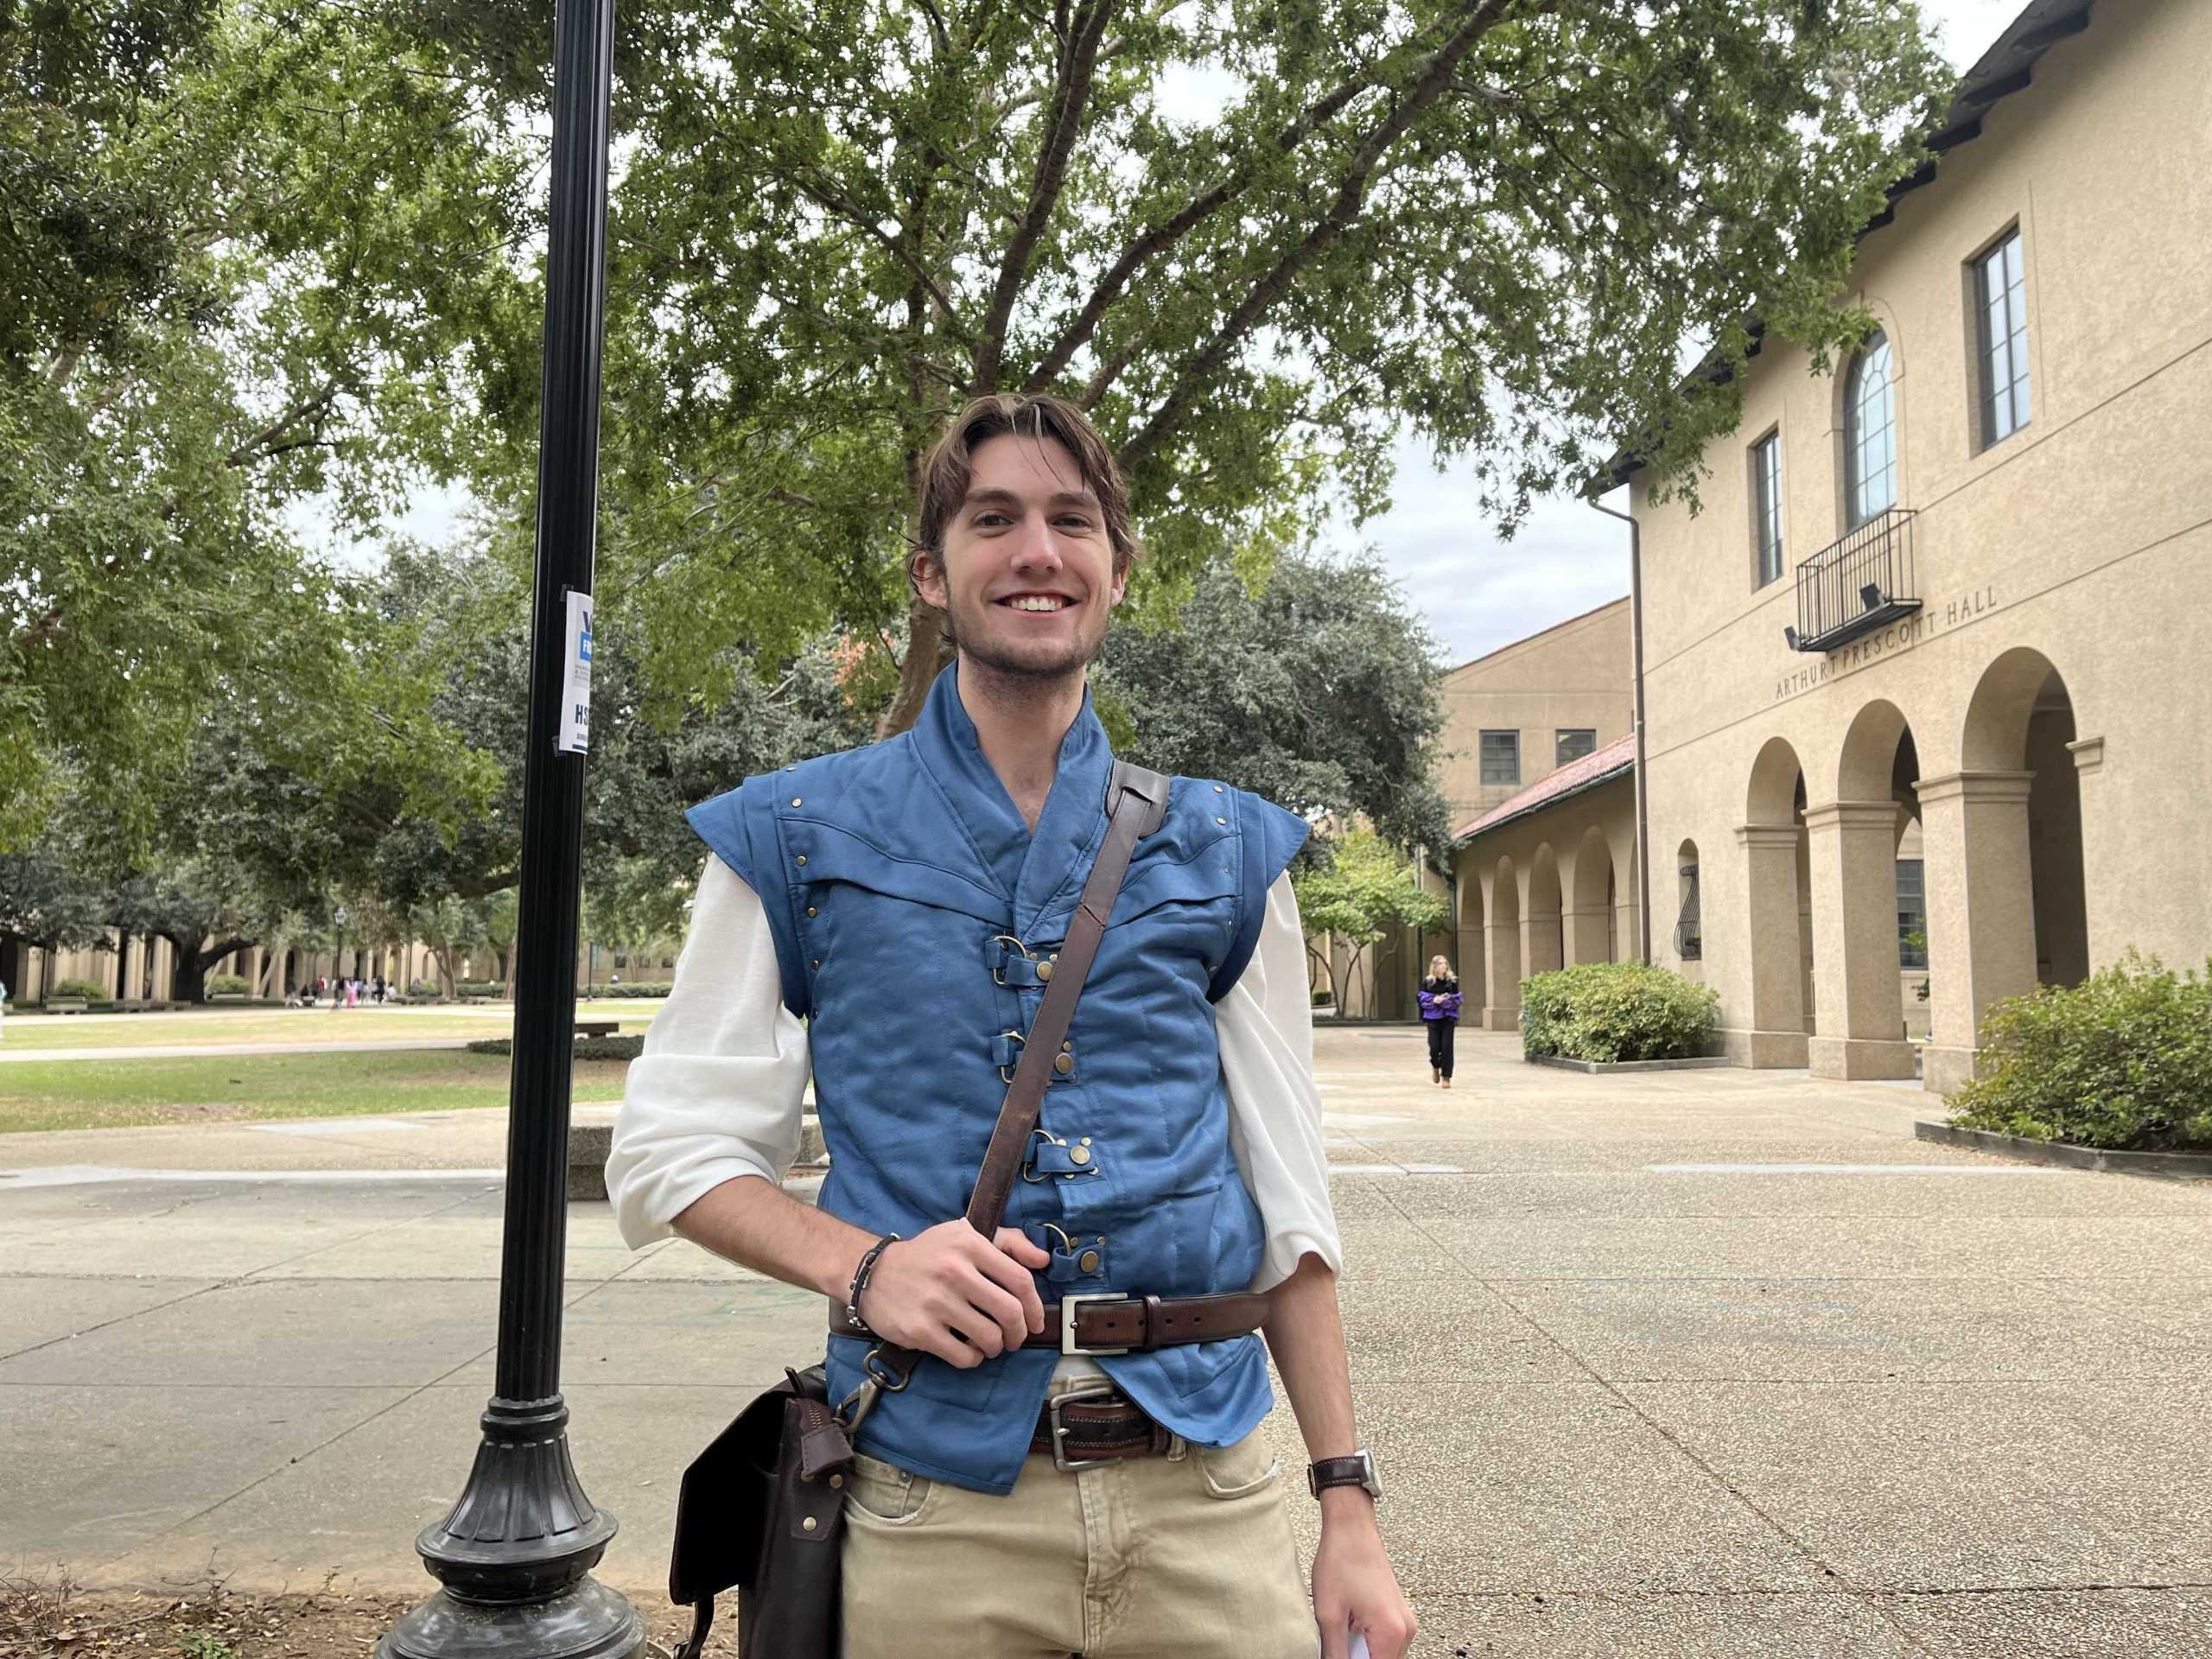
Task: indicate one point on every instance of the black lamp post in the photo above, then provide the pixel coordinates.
(515, 1555)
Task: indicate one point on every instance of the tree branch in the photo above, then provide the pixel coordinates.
(1165, 235)
(1078, 62)
(1351, 196)
(263, 443)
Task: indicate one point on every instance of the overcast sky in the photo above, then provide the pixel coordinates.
(1480, 592)
(1477, 591)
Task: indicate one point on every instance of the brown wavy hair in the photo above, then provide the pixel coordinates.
(946, 473)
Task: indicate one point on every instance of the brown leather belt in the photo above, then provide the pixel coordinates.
(1076, 1430)
(1113, 1324)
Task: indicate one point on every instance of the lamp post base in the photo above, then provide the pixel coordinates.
(516, 1553)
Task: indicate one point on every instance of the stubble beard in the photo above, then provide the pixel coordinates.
(1016, 678)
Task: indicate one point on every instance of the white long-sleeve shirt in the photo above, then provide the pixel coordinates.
(719, 1089)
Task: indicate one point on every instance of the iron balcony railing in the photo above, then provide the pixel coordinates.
(1863, 583)
(1689, 937)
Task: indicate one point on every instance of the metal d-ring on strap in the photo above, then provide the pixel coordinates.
(1050, 1140)
(880, 1376)
(1006, 1074)
(998, 973)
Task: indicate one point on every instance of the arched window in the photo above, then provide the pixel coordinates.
(1870, 432)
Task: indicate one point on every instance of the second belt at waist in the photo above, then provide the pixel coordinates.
(1116, 1324)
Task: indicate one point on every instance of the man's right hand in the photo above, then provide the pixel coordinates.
(952, 1293)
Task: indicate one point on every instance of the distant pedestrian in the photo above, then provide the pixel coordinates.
(3, 1007)
(380, 991)
(1439, 1012)
(353, 992)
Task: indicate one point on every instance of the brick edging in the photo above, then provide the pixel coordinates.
(1606, 1068)
(2164, 1165)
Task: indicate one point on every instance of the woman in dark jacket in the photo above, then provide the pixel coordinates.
(1439, 1012)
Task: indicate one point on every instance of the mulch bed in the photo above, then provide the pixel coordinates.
(55, 1618)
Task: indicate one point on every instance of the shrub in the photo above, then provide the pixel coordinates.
(619, 1046)
(89, 990)
(1616, 1011)
(2122, 1061)
(640, 989)
(229, 985)
(481, 987)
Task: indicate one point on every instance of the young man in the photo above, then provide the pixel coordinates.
(1031, 1493)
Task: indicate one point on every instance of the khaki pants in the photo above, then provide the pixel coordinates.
(1184, 1556)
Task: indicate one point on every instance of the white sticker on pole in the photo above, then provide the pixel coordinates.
(576, 691)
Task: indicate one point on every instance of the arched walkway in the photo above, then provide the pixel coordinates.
(1544, 930)
(1590, 915)
(2006, 908)
(1502, 930)
(1852, 843)
(1777, 884)
(1469, 948)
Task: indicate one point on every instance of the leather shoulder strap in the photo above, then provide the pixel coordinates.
(1136, 803)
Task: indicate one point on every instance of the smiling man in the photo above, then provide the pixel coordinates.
(889, 918)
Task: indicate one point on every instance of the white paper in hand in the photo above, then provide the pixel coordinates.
(1359, 1648)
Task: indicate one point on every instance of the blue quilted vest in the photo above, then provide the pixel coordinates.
(916, 920)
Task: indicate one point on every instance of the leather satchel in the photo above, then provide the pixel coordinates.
(761, 1509)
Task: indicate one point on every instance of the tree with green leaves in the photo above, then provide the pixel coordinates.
(1318, 689)
(1254, 241)
(1353, 895)
(255, 252)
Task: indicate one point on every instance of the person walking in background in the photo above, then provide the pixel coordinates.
(1439, 1012)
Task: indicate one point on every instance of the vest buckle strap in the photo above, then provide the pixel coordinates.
(1050, 1158)
(1005, 1053)
(1072, 1258)
(1013, 964)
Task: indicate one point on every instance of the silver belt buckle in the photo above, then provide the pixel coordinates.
(1068, 1305)
(1091, 1390)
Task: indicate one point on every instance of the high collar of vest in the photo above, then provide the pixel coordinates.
(1029, 869)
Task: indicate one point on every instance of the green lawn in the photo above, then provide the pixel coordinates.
(121, 1094)
(287, 1026)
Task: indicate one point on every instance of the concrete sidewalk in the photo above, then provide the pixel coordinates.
(1640, 1381)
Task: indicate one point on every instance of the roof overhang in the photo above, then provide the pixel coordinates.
(2000, 72)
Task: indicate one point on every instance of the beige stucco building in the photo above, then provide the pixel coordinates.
(1528, 727)
(1548, 880)
(1513, 716)
(1946, 613)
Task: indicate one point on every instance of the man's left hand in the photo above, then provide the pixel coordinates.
(1354, 1588)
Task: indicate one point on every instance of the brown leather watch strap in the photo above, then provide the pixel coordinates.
(1131, 1324)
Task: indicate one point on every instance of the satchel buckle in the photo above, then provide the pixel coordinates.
(1068, 1305)
(1091, 1390)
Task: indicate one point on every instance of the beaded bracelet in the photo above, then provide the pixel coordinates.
(861, 1276)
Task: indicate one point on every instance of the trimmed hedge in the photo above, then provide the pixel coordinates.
(481, 987)
(1616, 1011)
(89, 990)
(2122, 1061)
(617, 1047)
(229, 985)
(625, 990)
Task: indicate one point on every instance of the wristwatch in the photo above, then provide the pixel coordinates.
(1357, 1470)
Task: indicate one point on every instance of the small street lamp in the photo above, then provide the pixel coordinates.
(514, 1556)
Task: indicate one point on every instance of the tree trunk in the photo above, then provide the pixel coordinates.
(187, 971)
(927, 651)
